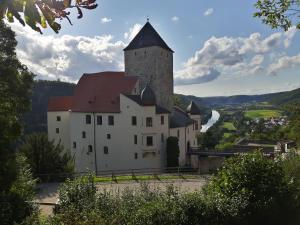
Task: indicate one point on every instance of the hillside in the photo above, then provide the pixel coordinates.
(279, 98)
(36, 120)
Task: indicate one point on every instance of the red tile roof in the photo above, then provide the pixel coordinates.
(62, 103)
(97, 92)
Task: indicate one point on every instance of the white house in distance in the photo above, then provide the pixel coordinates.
(121, 120)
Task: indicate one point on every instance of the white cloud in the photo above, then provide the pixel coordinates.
(175, 19)
(208, 12)
(284, 62)
(239, 56)
(289, 36)
(106, 20)
(67, 57)
(133, 31)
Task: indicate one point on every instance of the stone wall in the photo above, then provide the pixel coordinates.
(206, 165)
(154, 66)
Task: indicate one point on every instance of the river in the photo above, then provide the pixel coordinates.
(214, 118)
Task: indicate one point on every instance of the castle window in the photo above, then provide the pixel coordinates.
(105, 150)
(135, 53)
(58, 118)
(57, 130)
(149, 122)
(135, 139)
(133, 121)
(99, 120)
(162, 120)
(74, 144)
(162, 138)
(149, 141)
(108, 136)
(88, 119)
(111, 120)
(196, 126)
(135, 155)
(178, 133)
(90, 148)
(83, 134)
(188, 130)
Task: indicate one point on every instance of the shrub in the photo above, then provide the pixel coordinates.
(251, 189)
(47, 159)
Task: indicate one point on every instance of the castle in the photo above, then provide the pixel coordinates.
(121, 120)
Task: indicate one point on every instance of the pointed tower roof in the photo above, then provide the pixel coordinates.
(148, 96)
(147, 37)
(193, 109)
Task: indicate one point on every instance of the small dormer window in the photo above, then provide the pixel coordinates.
(58, 118)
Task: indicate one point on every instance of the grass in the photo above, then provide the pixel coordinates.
(229, 126)
(227, 135)
(262, 113)
(121, 178)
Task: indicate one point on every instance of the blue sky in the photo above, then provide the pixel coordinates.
(220, 49)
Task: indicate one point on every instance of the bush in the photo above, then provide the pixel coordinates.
(17, 204)
(251, 189)
(49, 161)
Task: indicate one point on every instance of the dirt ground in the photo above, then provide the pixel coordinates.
(48, 193)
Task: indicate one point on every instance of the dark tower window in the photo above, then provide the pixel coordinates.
(57, 130)
(162, 138)
(83, 134)
(88, 119)
(90, 148)
(108, 136)
(135, 155)
(58, 118)
(74, 144)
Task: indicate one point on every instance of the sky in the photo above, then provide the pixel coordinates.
(220, 49)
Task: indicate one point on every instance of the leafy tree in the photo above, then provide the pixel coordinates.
(252, 189)
(47, 159)
(17, 204)
(42, 12)
(278, 13)
(15, 91)
(172, 152)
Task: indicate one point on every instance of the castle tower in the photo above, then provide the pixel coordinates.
(149, 57)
